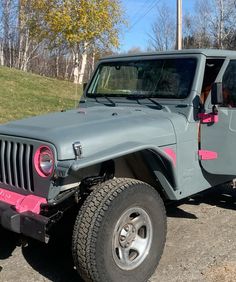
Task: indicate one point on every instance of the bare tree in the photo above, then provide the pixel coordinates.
(222, 23)
(213, 25)
(1, 53)
(202, 37)
(29, 41)
(134, 50)
(8, 34)
(188, 34)
(1, 37)
(162, 36)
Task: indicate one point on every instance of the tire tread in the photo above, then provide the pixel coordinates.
(89, 220)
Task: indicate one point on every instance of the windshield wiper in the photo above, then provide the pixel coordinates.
(113, 104)
(155, 102)
(110, 100)
(141, 97)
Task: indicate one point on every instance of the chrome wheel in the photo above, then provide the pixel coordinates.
(132, 238)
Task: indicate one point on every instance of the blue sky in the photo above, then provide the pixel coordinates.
(141, 14)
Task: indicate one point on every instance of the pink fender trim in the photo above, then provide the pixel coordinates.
(205, 155)
(171, 153)
(22, 203)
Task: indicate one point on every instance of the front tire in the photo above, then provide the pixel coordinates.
(120, 232)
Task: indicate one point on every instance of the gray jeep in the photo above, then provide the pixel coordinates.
(149, 128)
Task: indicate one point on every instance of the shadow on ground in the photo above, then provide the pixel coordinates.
(54, 261)
(8, 243)
(221, 196)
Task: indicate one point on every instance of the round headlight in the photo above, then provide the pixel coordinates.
(44, 161)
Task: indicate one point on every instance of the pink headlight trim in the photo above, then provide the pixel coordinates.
(37, 161)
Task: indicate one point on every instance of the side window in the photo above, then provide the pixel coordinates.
(212, 69)
(229, 85)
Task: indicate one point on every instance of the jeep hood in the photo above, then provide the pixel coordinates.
(96, 128)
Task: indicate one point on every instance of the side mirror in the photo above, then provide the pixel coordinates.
(217, 94)
(84, 85)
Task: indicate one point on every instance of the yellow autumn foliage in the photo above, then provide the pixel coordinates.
(76, 21)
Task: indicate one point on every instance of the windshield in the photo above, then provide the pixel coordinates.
(163, 78)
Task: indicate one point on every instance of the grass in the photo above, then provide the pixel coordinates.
(25, 94)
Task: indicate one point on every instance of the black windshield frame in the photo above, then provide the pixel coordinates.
(170, 78)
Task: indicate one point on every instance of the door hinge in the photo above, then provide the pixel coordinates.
(205, 155)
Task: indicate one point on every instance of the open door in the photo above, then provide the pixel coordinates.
(217, 150)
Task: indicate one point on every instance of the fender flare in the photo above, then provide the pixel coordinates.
(119, 151)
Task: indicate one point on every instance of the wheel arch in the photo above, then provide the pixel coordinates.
(151, 165)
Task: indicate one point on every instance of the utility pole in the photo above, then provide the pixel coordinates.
(179, 25)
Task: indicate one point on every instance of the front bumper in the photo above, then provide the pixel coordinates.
(26, 223)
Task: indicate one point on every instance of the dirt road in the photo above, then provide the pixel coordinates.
(201, 246)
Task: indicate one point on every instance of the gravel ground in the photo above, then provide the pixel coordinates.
(200, 246)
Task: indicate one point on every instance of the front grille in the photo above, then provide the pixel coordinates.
(16, 164)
